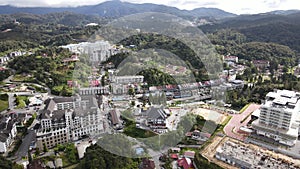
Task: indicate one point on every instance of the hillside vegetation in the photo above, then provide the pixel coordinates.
(281, 29)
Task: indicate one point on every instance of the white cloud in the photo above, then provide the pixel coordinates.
(234, 6)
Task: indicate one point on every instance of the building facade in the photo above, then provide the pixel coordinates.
(98, 51)
(8, 132)
(63, 121)
(94, 91)
(127, 79)
(278, 117)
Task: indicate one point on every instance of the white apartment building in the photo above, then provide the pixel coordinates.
(127, 79)
(4, 59)
(98, 51)
(62, 103)
(94, 90)
(279, 117)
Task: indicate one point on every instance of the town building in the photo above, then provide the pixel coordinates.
(127, 79)
(93, 91)
(185, 163)
(119, 89)
(11, 55)
(62, 103)
(4, 59)
(261, 64)
(233, 85)
(189, 154)
(156, 119)
(68, 119)
(199, 136)
(198, 90)
(147, 164)
(278, 117)
(114, 119)
(73, 58)
(98, 51)
(8, 132)
(121, 84)
(231, 59)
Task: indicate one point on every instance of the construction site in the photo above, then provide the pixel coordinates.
(230, 153)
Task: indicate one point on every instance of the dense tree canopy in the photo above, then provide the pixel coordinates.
(96, 157)
(6, 164)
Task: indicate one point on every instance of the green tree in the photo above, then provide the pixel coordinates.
(29, 157)
(131, 91)
(133, 103)
(45, 149)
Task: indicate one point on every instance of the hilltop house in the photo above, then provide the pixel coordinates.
(261, 64)
(231, 59)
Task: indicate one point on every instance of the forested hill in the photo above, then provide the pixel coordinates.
(281, 29)
(118, 9)
(55, 29)
(62, 18)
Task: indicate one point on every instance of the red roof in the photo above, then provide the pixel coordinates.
(73, 58)
(94, 83)
(189, 154)
(186, 164)
(206, 135)
(174, 156)
(148, 164)
(188, 134)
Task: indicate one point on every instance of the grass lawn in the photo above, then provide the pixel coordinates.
(72, 166)
(21, 78)
(21, 104)
(21, 101)
(3, 102)
(199, 160)
(132, 131)
(65, 160)
(39, 89)
(3, 105)
(244, 108)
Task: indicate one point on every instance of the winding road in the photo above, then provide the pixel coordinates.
(235, 123)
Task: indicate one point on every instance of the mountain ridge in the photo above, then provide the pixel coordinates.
(281, 29)
(119, 9)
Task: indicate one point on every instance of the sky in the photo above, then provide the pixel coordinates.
(233, 6)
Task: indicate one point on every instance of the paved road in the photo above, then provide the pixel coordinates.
(8, 80)
(11, 100)
(235, 123)
(173, 120)
(23, 149)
